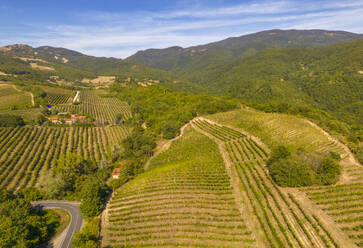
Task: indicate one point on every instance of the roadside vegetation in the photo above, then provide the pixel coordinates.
(23, 226)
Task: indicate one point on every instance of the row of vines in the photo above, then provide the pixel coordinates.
(281, 217)
(27, 152)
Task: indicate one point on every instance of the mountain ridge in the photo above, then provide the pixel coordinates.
(181, 61)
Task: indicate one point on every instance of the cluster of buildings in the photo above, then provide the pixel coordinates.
(62, 119)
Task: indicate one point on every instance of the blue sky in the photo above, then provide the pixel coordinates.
(119, 28)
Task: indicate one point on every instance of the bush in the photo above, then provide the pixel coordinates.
(292, 172)
(31, 194)
(88, 236)
(21, 225)
(298, 170)
(92, 192)
(11, 121)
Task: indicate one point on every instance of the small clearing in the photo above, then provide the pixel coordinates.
(41, 67)
(100, 80)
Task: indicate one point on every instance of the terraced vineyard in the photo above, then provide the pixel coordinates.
(184, 200)
(27, 152)
(280, 129)
(11, 98)
(344, 203)
(102, 109)
(283, 219)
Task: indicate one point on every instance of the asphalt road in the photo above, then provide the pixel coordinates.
(76, 218)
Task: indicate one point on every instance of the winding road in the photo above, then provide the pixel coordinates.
(76, 218)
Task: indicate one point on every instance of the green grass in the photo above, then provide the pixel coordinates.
(10, 98)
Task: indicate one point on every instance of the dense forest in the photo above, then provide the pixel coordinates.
(164, 111)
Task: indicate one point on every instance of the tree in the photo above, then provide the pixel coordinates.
(119, 119)
(21, 225)
(88, 236)
(53, 186)
(92, 192)
(71, 166)
(329, 171)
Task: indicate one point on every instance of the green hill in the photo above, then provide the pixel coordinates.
(43, 63)
(182, 61)
(329, 78)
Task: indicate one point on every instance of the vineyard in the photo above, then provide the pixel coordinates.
(102, 109)
(10, 98)
(280, 129)
(184, 200)
(55, 99)
(283, 219)
(344, 203)
(28, 152)
(58, 95)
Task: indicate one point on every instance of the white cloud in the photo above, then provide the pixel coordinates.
(122, 34)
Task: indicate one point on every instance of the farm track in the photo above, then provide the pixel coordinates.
(284, 219)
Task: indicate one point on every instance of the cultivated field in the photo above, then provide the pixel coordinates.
(184, 200)
(12, 98)
(287, 217)
(27, 152)
(102, 109)
(57, 95)
(280, 129)
(344, 203)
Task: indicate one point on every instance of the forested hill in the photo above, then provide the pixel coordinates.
(183, 61)
(43, 63)
(329, 78)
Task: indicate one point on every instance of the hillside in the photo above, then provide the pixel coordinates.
(170, 204)
(287, 216)
(328, 78)
(183, 61)
(66, 66)
(184, 200)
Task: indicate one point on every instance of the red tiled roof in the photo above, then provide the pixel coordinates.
(116, 171)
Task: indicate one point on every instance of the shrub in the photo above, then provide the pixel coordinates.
(297, 170)
(11, 121)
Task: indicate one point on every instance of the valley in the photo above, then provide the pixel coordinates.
(253, 141)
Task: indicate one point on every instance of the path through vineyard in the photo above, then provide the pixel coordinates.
(288, 206)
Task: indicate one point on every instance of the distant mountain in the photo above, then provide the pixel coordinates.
(185, 61)
(71, 66)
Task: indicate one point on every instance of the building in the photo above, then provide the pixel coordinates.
(61, 119)
(55, 119)
(116, 173)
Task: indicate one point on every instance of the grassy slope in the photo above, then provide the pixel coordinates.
(278, 129)
(188, 191)
(10, 97)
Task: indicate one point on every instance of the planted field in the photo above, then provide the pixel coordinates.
(344, 203)
(184, 200)
(55, 99)
(102, 109)
(11, 98)
(280, 129)
(27, 152)
(281, 217)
